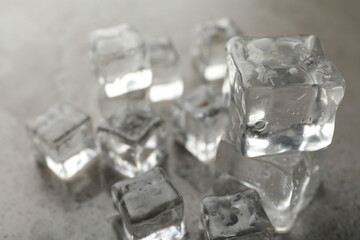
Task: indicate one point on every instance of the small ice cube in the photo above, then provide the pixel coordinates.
(236, 216)
(120, 60)
(200, 119)
(63, 139)
(208, 52)
(150, 207)
(167, 82)
(132, 140)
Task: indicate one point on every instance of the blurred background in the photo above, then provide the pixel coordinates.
(44, 58)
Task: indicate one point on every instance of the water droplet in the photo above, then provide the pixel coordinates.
(260, 126)
(293, 71)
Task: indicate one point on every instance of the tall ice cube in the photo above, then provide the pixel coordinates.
(284, 93)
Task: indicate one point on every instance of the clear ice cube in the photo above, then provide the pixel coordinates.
(236, 216)
(132, 140)
(208, 52)
(286, 182)
(63, 139)
(167, 82)
(120, 60)
(200, 119)
(150, 207)
(284, 94)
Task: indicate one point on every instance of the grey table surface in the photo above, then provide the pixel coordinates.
(43, 58)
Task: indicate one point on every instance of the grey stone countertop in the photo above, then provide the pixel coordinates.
(44, 58)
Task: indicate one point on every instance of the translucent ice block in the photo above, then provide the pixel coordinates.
(236, 216)
(286, 182)
(199, 122)
(208, 52)
(167, 82)
(284, 94)
(132, 140)
(63, 139)
(150, 207)
(120, 60)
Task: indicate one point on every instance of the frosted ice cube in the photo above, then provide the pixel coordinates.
(208, 52)
(235, 216)
(120, 60)
(167, 82)
(150, 207)
(286, 182)
(63, 139)
(199, 122)
(284, 94)
(132, 140)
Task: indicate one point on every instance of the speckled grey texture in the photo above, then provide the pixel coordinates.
(44, 58)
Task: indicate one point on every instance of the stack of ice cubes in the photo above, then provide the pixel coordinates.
(283, 94)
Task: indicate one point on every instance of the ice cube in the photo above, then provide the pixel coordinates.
(208, 52)
(286, 182)
(199, 122)
(150, 207)
(167, 82)
(132, 140)
(284, 94)
(120, 60)
(63, 139)
(235, 216)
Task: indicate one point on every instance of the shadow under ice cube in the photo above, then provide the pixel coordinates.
(284, 94)
(235, 216)
(132, 140)
(120, 60)
(285, 182)
(150, 207)
(200, 119)
(167, 82)
(208, 52)
(63, 139)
